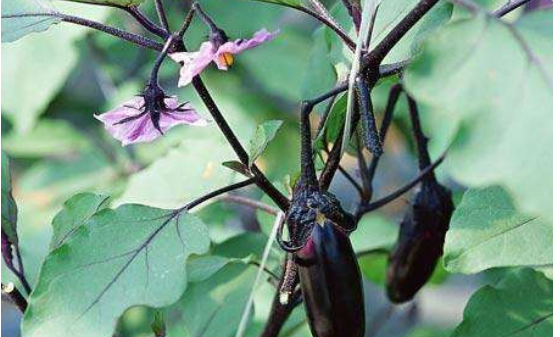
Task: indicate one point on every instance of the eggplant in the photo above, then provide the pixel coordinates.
(420, 242)
(331, 283)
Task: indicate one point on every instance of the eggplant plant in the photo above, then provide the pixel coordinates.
(156, 238)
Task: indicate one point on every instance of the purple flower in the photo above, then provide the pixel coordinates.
(143, 120)
(221, 53)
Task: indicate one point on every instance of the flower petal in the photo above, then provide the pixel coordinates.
(239, 45)
(193, 63)
(142, 129)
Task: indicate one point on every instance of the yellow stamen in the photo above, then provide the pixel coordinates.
(226, 59)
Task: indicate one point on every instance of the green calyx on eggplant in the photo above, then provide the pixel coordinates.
(420, 242)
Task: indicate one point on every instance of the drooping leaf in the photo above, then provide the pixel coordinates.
(212, 307)
(75, 212)
(263, 135)
(9, 206)
(487, 231)
(520, 305)
(47, 138)
(22, 17)
(133, 255)
(495, 106)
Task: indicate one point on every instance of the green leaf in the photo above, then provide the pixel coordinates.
(263, 135)
(14, 26)
(487, 231)
(133, 255)
(203, 267)
(48, 138)
(320, 75)
(9, 206)
(75, 212)
(183, 174)
(34, 81)
(390, 13)
(212, 307)
(287, 3)
(496, 106)
(519, 305)
(123, 3)
(374, 232)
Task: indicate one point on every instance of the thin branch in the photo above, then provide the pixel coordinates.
(266, 270)
(10, 291)
(345, 38)
(124, 35)
(236, 199)
(373, 59)
(216, 193)
(161, 15)
(510, 6)
(400, 191)
(21, 272)
(150, 26)
(421, 139)
(262, 182)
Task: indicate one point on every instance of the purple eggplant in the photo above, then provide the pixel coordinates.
(331, 283)
(420, 242)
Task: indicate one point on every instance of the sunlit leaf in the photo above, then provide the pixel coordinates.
(263, 135)
(487, 231)
(491, 97)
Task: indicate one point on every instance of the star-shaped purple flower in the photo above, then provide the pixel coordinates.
(135, 122)
(194, 62)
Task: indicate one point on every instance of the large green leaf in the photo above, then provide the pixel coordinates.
(487, 231)
(15, 20)
(212, 307)
(185, 173)
(75, 212)
(491, 95)
(9, 207)
(34, 69)
(133, 255)
(263, 135)
(520, 305)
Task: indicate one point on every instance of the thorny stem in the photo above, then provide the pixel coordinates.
(261, 181)
(308, 175)
(15, 296)
(387, 118)
(279, 313)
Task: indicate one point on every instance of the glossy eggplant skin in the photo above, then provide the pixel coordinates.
(420, 242)
(331, 283)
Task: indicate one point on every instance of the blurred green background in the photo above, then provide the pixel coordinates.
(54, 82)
